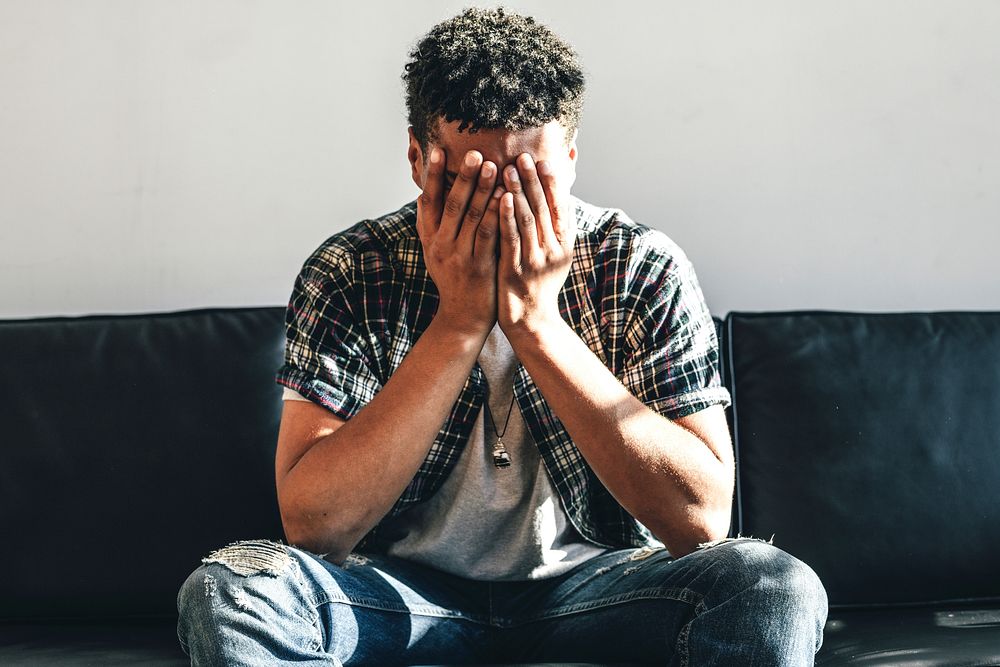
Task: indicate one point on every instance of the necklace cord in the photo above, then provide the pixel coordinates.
(501, 458)
(506, 421)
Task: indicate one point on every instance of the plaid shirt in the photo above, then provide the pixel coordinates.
(364, 297)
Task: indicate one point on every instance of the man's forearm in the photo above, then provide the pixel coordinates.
(349, 480)
(661, 473)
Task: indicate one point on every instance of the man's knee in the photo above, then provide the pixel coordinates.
(242, 588)
(783, 570)
(788, 585)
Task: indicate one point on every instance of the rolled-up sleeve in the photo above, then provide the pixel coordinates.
(674, 365)
(327, 359)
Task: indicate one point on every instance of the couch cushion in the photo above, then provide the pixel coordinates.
(940, 637)
(867, 445)
(132, 446)
(105, 643)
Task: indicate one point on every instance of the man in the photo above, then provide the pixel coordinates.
(504, 435)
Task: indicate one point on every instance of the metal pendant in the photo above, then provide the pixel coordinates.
(501, 459)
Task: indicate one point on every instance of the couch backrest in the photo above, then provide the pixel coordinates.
(869, 446)
(131, 446)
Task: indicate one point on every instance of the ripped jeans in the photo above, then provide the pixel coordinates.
(738, 601)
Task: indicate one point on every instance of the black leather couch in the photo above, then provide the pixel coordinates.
(868, 445)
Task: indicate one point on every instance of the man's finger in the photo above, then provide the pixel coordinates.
(429, 201)
(458, 197)
(559, 224)
(535, 196)
(510, 236)
(522, 213)
(488, 232)
(477, 208)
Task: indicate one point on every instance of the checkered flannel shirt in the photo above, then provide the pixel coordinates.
(364, 297)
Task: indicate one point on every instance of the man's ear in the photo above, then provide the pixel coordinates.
(416, 157)
(573, 154)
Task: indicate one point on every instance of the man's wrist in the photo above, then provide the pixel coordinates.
(534, 330)
(463, 335)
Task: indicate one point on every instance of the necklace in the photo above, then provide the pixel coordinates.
(501, 459)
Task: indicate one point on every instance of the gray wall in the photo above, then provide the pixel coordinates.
(180, 154)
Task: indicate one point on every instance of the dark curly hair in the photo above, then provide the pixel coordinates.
(492, 69)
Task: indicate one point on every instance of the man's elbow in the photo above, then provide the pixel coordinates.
(703, 526)
(307, 533)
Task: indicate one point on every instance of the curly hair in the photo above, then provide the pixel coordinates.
(491, 69)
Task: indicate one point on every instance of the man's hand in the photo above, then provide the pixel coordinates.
(458, 232)
(537, 234)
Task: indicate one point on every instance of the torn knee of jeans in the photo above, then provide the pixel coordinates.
(252, 557)
(706, 545)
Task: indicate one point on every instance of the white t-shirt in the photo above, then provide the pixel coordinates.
(488, 523)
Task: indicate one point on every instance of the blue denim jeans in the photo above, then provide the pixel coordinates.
(739, 601)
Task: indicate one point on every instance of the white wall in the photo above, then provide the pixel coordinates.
(181, 154)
